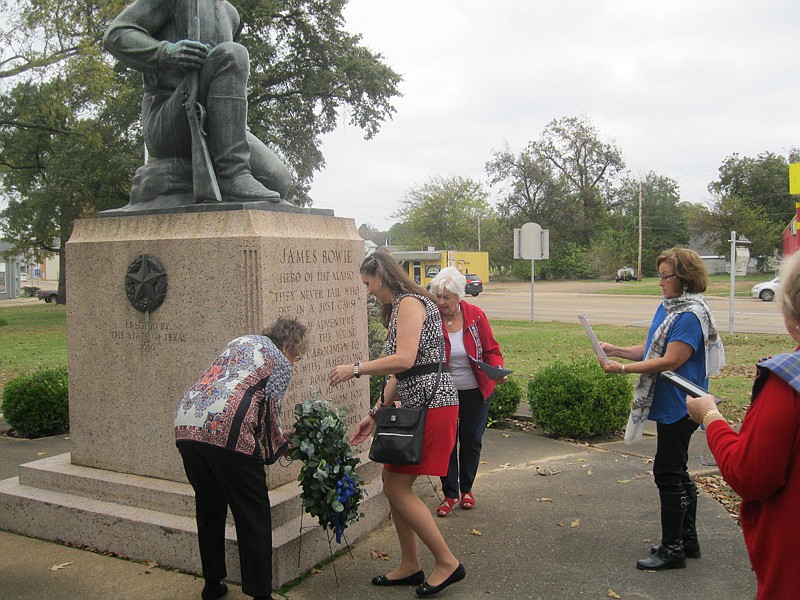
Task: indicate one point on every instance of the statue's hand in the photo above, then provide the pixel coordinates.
(186, 54)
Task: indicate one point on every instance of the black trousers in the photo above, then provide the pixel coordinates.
(473, 411)
(670, 469)
(221, 478)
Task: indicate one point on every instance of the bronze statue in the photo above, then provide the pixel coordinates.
(194, 67)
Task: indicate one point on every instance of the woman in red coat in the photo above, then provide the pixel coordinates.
(762, 461)
(468, 336)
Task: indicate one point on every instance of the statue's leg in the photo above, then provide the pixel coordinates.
(166, 128)
(224, 82)
(268, 168)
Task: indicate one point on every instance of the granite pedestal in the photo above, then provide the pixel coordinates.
(220, 275)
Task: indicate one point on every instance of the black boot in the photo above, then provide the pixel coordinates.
(670, 554)
(230, 152)
(691, 547)
(690, 544)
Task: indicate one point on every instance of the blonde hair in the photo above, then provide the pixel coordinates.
(689, 268)
(790, 287)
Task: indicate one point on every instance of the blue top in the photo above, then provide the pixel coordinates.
(669, 403)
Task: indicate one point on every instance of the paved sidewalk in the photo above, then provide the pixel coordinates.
(554, 520)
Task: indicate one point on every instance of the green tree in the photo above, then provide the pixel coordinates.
(586, 167)
(663, 217)
(729, 213)
(760, 182)
(566, 182)
(444, 213)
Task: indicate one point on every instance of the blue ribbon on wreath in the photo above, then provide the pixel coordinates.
(345, 489)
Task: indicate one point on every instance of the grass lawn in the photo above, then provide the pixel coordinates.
(35, 336)
(528, 346)
(31, 336)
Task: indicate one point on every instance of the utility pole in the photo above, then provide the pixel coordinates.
(639, 264)
(479, 233)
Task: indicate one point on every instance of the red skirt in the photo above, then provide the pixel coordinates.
(437, 444)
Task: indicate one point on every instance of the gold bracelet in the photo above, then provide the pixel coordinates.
(713, 411)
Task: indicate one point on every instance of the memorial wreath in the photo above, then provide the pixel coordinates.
(331, 488)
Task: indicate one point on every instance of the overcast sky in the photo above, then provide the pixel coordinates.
(678, 85)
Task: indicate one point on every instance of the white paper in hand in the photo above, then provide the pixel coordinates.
(598, 350)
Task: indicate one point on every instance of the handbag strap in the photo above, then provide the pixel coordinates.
(435, 385)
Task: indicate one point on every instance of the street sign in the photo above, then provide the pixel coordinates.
(531, 242)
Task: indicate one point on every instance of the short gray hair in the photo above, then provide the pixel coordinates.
(451, 280)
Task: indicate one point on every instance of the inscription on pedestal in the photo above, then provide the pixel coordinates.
(321, 287)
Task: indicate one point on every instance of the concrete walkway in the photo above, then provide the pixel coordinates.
(554, 520)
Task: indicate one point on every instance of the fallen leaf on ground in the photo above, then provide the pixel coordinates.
(61, 566)
(377, 554)
(505, 466)
(483, 462)
(613, 594)
(624, 481)
(583, 460)
(474, 532)
(589, 472)
(151, 564)
(506, 434)
(316, 571)
(575, 523)
(544, 499)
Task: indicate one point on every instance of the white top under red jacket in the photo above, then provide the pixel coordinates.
(479, 343)
(236, 404)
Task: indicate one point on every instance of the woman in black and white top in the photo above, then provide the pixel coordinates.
(414, 345)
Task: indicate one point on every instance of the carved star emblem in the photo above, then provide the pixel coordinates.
(146, 283)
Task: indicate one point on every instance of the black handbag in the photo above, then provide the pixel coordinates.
(399, 432)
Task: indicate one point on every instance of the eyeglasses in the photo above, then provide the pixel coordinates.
(664, 277)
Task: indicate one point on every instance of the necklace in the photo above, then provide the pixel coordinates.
(450, 321)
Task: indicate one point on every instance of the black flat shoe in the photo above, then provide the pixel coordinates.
(214, 590)
(427, 589)
(415, 579)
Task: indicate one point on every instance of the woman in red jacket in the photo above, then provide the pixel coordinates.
(468, 336)
(762, 461)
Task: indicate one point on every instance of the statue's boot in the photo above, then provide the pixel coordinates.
(230, 151)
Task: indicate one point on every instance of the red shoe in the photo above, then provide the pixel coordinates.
(467, 501)
(446, 507)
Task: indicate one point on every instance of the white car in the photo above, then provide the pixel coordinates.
(765, 291)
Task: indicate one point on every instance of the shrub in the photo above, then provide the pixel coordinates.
(505, 401)
(578, 399)
(37, 404)
(375, 388)
(29, 291)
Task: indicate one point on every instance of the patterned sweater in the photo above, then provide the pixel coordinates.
(236, 403)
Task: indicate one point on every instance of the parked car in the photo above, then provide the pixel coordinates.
(47, 295)
(474, 284)
(765, 291)
(625, 274)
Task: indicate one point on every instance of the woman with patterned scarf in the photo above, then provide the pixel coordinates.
(762, 461)
(683, 337)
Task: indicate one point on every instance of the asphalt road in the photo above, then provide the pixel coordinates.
(562, 301)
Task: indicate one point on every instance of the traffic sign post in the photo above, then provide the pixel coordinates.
(531, 242)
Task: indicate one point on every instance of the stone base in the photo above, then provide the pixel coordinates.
(206, 278)
(150, 519)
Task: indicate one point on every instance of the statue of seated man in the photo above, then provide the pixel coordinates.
(151, 36)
